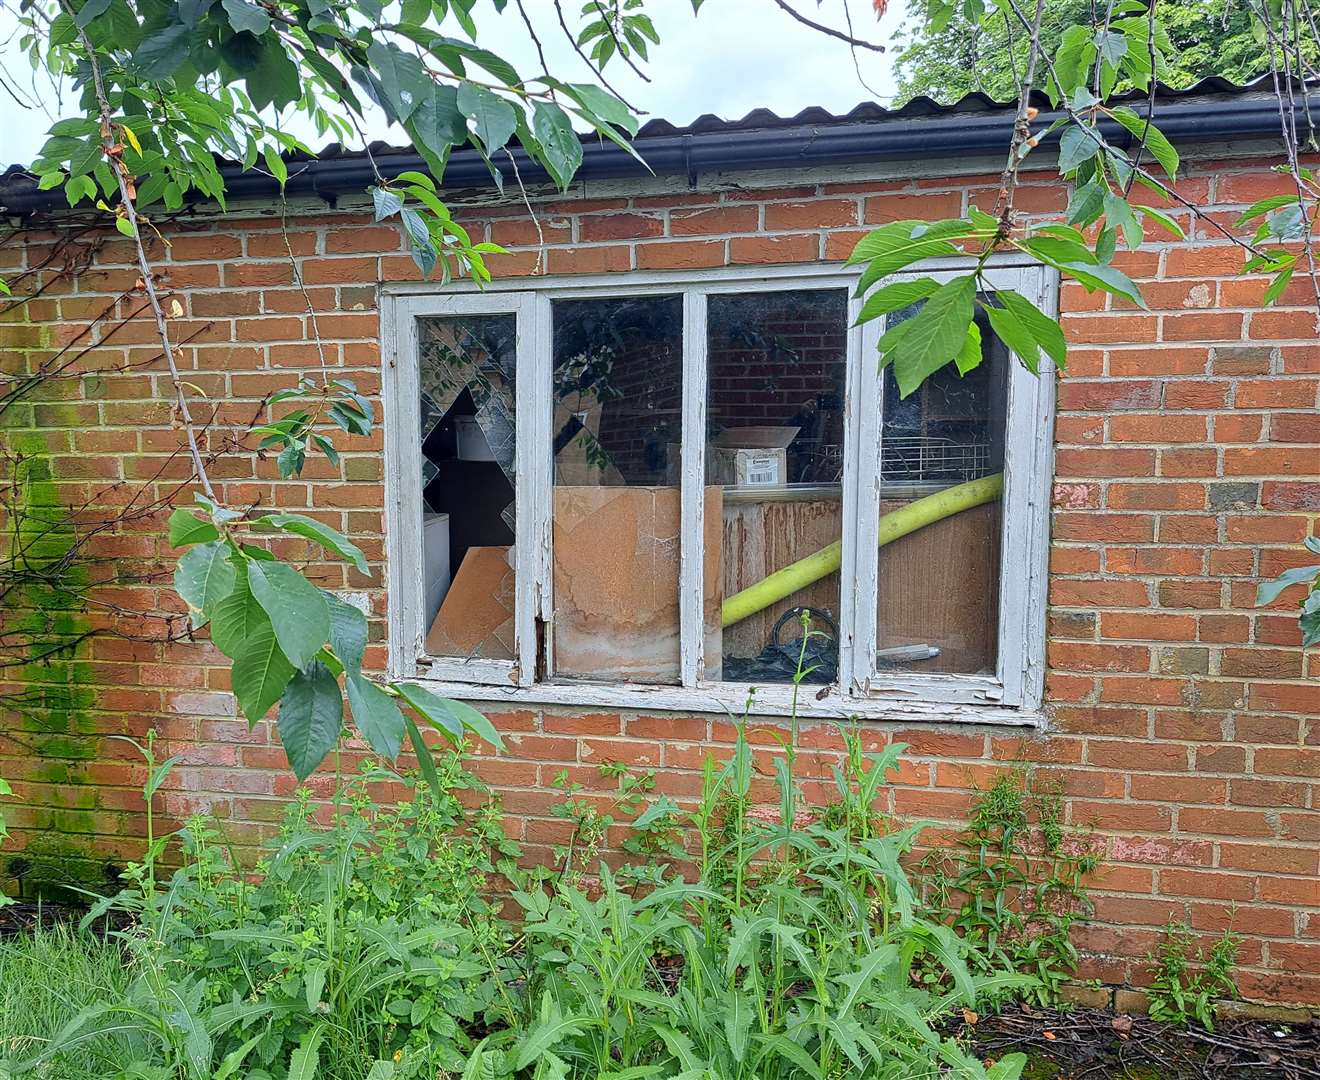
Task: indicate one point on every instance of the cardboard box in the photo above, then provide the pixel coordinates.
(746, 467)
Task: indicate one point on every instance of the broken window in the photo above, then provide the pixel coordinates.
(617, 443)
(777, 366)
(468, 435)
(939, 586)
(684, 486)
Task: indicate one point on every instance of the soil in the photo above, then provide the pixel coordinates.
(1095, 1044)
(24, 917)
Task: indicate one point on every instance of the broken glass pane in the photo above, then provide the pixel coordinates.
(467, 408)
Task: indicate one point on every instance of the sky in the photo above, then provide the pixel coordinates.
(737, 55)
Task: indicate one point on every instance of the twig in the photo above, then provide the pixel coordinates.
(829, 31)
(572, 40)
(144, 266)
(1021, 126)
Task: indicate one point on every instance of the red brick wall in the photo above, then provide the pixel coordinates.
(1184, 720)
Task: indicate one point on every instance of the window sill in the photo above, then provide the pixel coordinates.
(733, 698)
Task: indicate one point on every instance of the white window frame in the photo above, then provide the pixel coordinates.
(1011, 696)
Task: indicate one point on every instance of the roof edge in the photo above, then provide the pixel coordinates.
(811, 139)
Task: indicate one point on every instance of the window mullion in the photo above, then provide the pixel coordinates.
(532, 573)
(1025, 536)
(691, 583)
(861, 512)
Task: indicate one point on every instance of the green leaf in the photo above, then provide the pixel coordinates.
(274, 78)
(1119, 214)
(297, 609)
(433, 708)
(1072, 61)
(603, 106)
(187, 528)
(386, 203)
(304, 1060)
(933, 337)
(260, 672)
(900, 243)
(738, 1016)
(275, 163)
(348, 633)
(163, 53)
(1008, 1067)
(311, 716)
(403, 78)
(1268, 591)
(423, 753)
(1009, 329)
(493, 118)
(1164, 219)
(1159, 146)
(237, 617)
(1107, 278)
(1044, 331)
(475, 722)
(1274, 202)
(204, 575)
(971, 354)
(546, 1032)
(437, 125)
(328, 537)
(895, 297)
(244, 15)
(377, 717)
(560, 150)
(89, 11)
(1086, 204)
(1280, 282)
(1077, 146)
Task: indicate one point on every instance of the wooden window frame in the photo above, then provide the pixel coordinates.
(1011, 696)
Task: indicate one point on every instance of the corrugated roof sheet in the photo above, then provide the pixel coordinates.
(1212, 108)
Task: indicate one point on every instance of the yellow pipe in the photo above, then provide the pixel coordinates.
(916, 515)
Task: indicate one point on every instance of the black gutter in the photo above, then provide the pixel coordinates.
(951, 133)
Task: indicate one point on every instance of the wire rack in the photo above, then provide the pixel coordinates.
(923, 459)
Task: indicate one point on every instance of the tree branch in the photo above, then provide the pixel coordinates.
(829, 31)
(144, 266)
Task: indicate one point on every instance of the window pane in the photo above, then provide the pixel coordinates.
(467, 381)
(617, 430)
(939, 586)
(777, 367)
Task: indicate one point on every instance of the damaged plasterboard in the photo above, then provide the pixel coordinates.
(616, 572)
(476, 618)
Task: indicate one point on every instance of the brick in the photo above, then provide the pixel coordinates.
(1285, 495)
(1202, 326)
(1147, 627)
(589, 260)
(596, 227)
(896, 207)
(1083, 656)
(680, 254)
(1272, 461)
(773, 249)
(1108, 396)
(815, 214)
(714, 220)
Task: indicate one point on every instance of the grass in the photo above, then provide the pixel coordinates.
(46, 977)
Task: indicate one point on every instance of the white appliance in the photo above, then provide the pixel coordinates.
(435, 562)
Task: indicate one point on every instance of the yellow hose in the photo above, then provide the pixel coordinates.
(916, 515)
